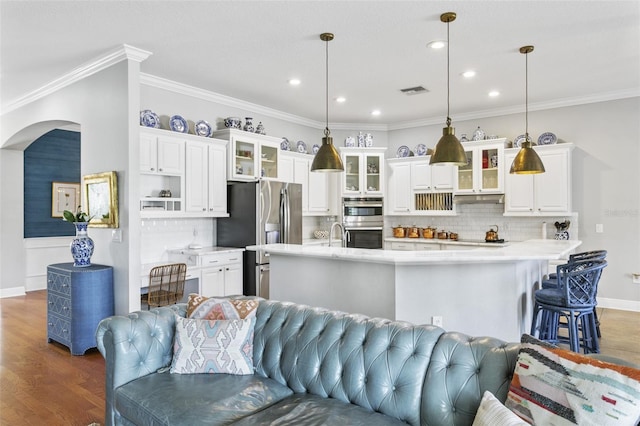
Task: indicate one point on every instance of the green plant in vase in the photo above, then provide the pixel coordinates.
(82, 245)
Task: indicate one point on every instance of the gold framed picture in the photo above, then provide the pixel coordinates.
(64, 196)
(101, 199)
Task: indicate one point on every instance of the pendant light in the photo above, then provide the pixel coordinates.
(327, 158)
(448, 150)
(527, 161)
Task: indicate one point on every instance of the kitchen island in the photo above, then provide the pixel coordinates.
(477, 292)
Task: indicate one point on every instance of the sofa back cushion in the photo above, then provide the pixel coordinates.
(462, 368)
(375, 363)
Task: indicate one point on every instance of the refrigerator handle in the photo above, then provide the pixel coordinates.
(284, 231)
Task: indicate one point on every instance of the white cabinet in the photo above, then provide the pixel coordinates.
(161, 153)
(363, 171)
(399, 196)
(416, 187)
(544, 194)
(251, 156)
(221, 274)
(162, 166)
(484, 172)
(317, 192)
(206, 178)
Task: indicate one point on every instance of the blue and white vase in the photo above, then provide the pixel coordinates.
(562, 235)
(81, 246)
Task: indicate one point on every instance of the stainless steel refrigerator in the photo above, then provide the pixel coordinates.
(262, 212)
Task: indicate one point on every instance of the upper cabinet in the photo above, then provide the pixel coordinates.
(416, 187)
(181, 175)
(318, 189)
(251, 156)
(363, 171)
(484, 172)
(544, 194)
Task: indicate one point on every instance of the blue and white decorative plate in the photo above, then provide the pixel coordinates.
(403, 151)
(149, 118)
(202, 128)
(517, 142)
(178, 124)
(547, 138)
(421, 149)
(315, 148)
(350, 142)
(302, 147)
(285, 145)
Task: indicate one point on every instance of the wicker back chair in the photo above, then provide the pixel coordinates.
(166, 284)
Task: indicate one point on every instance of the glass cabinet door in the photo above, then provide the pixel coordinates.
(268, 161)
(352, 173)
(465, 174)
(372, 164)
(489, 179)
(244, 158)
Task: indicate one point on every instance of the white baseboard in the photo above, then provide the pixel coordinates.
(623, 305)
(11, 292)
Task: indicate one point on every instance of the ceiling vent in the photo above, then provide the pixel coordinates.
(414, 90)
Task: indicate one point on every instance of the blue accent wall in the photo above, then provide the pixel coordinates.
(54, 157)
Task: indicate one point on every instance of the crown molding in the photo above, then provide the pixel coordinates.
(540, 106)
(85, 70)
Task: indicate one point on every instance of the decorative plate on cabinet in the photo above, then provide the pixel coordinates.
(149, 118)
(517, 142)
(285, 145)
(350, 142)
(421, 149)
(315, 148)
(547, 138)
(178, 124)
(302, 147)
(202, 128)
(403, 151)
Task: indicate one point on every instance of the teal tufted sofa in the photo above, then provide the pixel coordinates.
(312, 367)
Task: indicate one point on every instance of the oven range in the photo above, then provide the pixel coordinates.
(363, 218)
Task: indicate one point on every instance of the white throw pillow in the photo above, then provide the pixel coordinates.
(492, 413)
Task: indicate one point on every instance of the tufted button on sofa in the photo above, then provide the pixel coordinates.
(312, 367)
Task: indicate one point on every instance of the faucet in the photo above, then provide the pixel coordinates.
(342, 233)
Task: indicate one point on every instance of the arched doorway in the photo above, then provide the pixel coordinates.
(23, 263)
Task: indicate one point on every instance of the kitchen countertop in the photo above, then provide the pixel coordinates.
(146, 267)
(525, 250)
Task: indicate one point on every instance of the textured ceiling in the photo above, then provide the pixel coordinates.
(584, 50)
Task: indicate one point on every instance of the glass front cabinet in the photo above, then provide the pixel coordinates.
(363, 171)
(484, 172)
(251, 156)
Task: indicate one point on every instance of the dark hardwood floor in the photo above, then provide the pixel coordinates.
(42, 383)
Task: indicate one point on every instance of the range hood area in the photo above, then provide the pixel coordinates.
(477, 199)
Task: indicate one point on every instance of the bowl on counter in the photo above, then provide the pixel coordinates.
(321, 234)
(453, 236)
(428, 232)
(414, 232)
(443, 235)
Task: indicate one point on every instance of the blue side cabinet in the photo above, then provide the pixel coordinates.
(77, 300)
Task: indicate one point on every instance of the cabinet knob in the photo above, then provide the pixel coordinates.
(50, 324)
(51, 303)
(152, 169)
(159, 170)
(65, 285)
(65, 308)
(220, 270)
(227, 269)
(50, 281)
(204, 210)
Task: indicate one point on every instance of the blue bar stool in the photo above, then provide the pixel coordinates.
(573, 299)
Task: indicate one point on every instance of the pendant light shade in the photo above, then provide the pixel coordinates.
(448, 150)
(327, 158)
(527, 161)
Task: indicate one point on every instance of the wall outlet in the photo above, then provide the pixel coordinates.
(635, 278)
(599, 228)
(116, 235)
(436, 320)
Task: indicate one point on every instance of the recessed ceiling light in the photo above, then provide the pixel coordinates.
(436, 44)
(469, 74)
(294, 82)
(494, 93)
(341, 99)
(375, 112)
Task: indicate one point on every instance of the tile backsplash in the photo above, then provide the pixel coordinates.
(474, 220)
(159, 235)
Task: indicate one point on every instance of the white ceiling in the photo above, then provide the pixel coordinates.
(584, 51)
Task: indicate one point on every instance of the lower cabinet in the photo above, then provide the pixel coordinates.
(77, 300)
(221, 274)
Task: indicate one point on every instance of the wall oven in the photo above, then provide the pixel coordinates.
(363, 218)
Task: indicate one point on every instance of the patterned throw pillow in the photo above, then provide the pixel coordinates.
(218, 308)
(213, 346)
(491, 413)
(555, 386)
